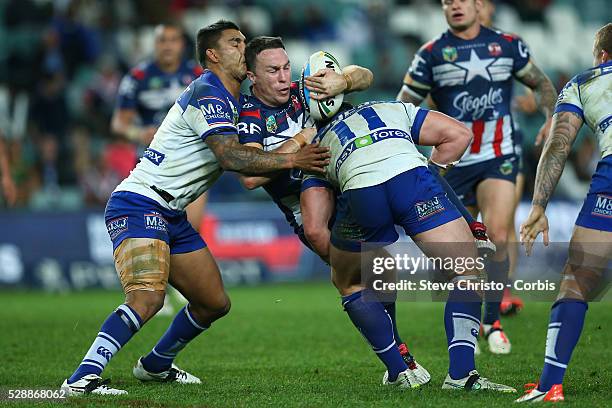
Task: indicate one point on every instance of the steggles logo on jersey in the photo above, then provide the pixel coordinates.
(155, 221)
(426, 209)
(477, 106)
(603, 206)
(271, 125)
(449, 54)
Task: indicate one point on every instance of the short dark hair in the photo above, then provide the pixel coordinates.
(208, 37)
(603, 39)
(259, 44)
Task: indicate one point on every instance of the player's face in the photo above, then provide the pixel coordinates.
(485, 15)
(230, 49)
(461, 14)
(169, 45)
(272, 76)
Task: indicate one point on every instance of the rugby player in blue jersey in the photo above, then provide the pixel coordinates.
(145, 217)
(469, 71)
(587, 98)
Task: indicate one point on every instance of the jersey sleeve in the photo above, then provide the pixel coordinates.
(520, 52)
(416, 117)
(419, 78)
(569, 99)
(127, 95)
(314, 180)
(208, 112)
(250, 126)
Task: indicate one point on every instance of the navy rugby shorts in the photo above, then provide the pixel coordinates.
(465, 179)
(131, 215)
(413, 200)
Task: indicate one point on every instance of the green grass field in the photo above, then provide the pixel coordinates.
(284, 345)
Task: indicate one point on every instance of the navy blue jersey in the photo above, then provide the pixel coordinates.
(270, 127)
(471, 80)
(152, 92)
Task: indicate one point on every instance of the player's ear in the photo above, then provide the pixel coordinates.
(251, 75)
(211, 54)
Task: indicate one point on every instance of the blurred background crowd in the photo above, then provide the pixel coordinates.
(61, 63)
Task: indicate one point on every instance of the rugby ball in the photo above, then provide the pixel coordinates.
(325, 109)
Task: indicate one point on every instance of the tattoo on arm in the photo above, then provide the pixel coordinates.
(543, 89)
(563, 132)
(245, 159)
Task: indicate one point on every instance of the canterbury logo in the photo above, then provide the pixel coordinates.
(104, 352)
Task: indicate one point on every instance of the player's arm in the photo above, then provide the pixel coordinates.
(123, 122)
(8, 186)
(545, 94)
(123, 125)
(449, 137)
(565, 127)
(327, 83)
(234, 156)
(317, 206)
(419, 78)
(292, 145)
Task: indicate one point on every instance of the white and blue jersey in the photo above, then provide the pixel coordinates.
(471, 81)
(151, 91)
(270, 127)
(383, 178)
(176, 168)
(589, 95)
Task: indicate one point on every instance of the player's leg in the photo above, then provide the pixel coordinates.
(195, 211)
(511, 303)
(589, 254)
(495, 198)
(195, 215)
(356, 223)
(468, 207)
(143, 267)
(440, 232)
(196, 275)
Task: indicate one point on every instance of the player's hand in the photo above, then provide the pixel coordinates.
(146, 135)
(543, 133)
(526, 103)
(312, 158)
(308, 134)
(535, 223)
(325, 83)
(9, 190)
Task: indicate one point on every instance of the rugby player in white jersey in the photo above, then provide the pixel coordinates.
(153, 242)
(587, 98)
(384, 181)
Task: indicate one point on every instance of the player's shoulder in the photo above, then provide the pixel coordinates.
(142, 70)
(206, 86)
(501, 35)
(590, 74)
(434, 43)
(250, 108)
(192, 67)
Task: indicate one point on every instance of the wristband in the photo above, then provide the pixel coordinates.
(300, 139)
(349, 82)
